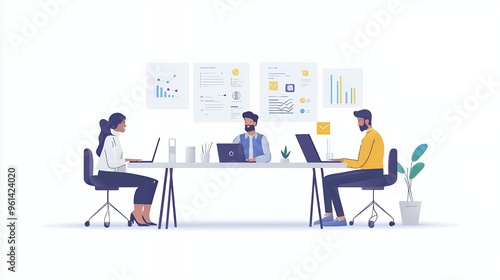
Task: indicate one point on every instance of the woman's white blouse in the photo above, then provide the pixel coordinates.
(111, 158)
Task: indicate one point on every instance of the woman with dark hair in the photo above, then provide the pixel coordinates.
(112, 169)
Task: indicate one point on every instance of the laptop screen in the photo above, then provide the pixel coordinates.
(156, 149)
(231, 152)
(307, 145)
(154, 154)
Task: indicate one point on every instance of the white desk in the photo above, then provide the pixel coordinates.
(170, 167)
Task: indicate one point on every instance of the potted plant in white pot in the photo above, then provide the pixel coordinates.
(285, 154)
(410, 209)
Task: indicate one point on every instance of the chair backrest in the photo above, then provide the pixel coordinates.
(392, 175)
(88, 166)
(88, 174)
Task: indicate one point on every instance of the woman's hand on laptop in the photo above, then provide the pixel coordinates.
(132, 159)
(251, 159)
(337, 159)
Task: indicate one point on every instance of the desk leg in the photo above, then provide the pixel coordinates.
(168, 203)
(171, 198)
(317, 198)
(312, 199)
(163, 197)
(315, 190)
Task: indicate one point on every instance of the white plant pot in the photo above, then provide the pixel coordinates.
(410, 212)
(283, 160)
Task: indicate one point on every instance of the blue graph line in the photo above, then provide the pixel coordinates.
(331, 89)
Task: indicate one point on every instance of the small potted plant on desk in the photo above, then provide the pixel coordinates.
(285, 154)
(410, 210)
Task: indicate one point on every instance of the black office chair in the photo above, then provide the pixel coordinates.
(92, 180)
(378, 184)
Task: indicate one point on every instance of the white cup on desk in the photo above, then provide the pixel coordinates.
(190, 154)
(205, 157)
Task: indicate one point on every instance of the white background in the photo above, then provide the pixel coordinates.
(87, 60)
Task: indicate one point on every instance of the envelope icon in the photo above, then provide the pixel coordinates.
(323, 128)
(273, 85)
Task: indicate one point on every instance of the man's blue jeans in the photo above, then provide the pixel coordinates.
(332, 182)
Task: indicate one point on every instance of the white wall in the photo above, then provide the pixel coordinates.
(424, 68)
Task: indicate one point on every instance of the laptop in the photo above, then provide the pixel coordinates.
(231, 152)
(154, 154)
(307, 145)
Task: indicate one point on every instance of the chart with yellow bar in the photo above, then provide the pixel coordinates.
(342, 88)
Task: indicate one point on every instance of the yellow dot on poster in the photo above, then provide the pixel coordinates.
(236, 72)
(302, 100)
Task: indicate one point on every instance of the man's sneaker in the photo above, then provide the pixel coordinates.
(335, 223)
(325, 219)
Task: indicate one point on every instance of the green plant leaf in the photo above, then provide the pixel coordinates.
(285, 153)
(416, 169)
(419, 151)
(401, 169)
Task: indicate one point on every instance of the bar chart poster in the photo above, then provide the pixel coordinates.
(167, 85)
(221, 91)
(289, 91)
(342, 88)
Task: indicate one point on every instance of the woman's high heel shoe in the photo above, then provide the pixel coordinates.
(151, 223)
(132, 219)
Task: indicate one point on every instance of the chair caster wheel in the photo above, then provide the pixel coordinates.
(106, 224)
(391, 223)
(371, 224)
(87, 223)
(129, 223)
(351, 223)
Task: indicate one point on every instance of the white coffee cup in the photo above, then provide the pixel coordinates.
(191, 154)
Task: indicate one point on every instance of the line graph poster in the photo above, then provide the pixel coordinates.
(167, 85)
(289, 90)
(342, 88)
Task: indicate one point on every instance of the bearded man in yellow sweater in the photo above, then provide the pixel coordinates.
(369, 164)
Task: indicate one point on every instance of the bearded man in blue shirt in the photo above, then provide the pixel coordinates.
(255, 145)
